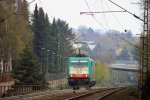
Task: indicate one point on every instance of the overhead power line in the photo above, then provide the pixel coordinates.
(104, 16)
(117, 20)
(100, 12)
(127, 11)
(99, 22)
(45, 8)
(127, 41)
(93, 15)
(124, 10)
(115, 40)
(138, 48)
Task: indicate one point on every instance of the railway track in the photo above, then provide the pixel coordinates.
(67, 94)
(96, 95)
(108, 94)
(43, 95)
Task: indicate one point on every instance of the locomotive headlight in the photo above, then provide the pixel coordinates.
(86, 75)
(71, 75)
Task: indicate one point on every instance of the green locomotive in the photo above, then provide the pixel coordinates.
(81, 72)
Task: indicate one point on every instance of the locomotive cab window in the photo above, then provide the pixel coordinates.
(79, 67)
(79, 64)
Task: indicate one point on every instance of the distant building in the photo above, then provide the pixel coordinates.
(118, 51)
(90, 44)
(6, 79)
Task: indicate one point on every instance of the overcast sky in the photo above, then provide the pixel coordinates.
(69, 10)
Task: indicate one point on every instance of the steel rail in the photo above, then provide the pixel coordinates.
(87, 94)
(108, 94)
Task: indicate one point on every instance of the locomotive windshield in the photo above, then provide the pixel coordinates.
(79, 67)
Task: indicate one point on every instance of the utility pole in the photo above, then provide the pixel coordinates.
(42, 68)
(47, 65)
(145, 64)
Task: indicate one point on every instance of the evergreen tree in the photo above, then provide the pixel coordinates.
(41, 28)
(26, 69)
(54, 37)
(63, 35)
(37, 35)
(47, 31)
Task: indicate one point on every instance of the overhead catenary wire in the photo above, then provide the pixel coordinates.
(111, 11)
(116, 21)
(105, 20)
(114, 16)
(127, 11)
(115, 40)
(94, 16)
(104, 16)
(40, 1)
(92, 13)
(101, 24)
(95, 4)
(138, 48)
(130, 43)
(124, 10)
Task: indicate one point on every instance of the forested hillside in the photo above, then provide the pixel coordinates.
(110, 45)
